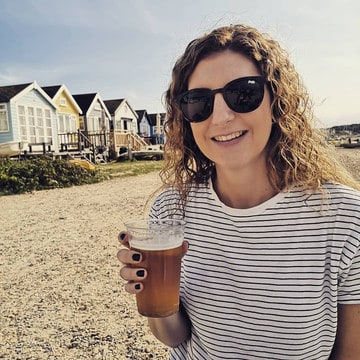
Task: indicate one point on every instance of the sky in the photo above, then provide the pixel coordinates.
(127, 48)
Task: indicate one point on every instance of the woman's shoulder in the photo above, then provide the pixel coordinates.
(338, 198)
(171, 200)
(167, 195)
(171, 192)
(334, 191)
(342, 192)
(343, 199)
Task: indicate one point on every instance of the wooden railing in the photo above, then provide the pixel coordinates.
(45, 147)
(79, 142)
(97, 143)
(125, 138)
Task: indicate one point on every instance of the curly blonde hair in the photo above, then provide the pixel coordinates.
(297, 151)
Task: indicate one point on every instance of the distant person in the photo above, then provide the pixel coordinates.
(272, 270)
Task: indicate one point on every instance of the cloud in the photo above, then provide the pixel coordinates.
(73, 14)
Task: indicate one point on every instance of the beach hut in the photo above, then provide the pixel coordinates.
(144, 128)
(124, 127)
(157, 127)
(68, 110)
(68, 121)
(27, 120)
(94, 123)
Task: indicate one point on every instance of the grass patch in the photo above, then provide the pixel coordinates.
(21, 176)
(128, 168)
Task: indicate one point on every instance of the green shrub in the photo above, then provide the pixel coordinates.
(20, 176)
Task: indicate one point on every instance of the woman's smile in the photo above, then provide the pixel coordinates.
(229, 137)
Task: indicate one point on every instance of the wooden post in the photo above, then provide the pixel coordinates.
(78, 140)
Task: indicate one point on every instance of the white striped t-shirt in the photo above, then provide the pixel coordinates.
(264, 282)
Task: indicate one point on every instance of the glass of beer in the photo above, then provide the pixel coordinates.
(160, 243)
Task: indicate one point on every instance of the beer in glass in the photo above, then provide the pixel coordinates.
(160, 243)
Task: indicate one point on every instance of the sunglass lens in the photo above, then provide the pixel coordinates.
(196, 106)
(244, 95)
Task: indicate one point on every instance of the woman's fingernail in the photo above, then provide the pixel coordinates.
(137, 286)
(136, 257)
(122, 236)
(140, 273)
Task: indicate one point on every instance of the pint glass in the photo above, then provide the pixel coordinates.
(160, 243)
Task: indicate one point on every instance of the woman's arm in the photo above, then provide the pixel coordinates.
(347, 342)
(171, 330)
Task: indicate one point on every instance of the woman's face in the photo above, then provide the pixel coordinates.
(231, 140)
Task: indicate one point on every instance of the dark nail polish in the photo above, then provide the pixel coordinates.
(122, 236)
(136, 257)
(140, 273)
(137, 287)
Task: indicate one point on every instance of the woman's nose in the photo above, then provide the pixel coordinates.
(221, 114)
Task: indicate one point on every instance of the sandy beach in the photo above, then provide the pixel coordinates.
(61, 295)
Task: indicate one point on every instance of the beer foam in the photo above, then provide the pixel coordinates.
(156, 234)
(151, 245)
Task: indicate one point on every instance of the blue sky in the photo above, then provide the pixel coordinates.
(126, 48)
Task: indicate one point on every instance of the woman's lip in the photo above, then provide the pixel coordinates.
(229, 137)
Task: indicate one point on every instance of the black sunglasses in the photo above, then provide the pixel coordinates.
(241, 95)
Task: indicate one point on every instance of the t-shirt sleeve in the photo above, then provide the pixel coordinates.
(167, 205)
(349, 284)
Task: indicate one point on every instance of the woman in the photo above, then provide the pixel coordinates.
(273, 265)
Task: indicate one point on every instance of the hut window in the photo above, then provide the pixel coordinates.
(22, 122)
(4, 123)
(66, 123)
(35, 124)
